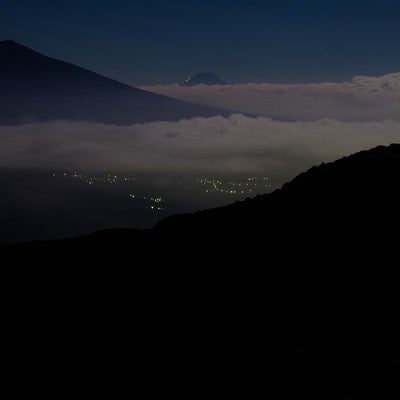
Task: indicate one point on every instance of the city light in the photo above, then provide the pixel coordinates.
(236, 188)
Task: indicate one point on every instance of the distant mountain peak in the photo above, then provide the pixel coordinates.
(4, 44)
(36, 87)
(8, 42)
(205, 78)
(11, 51)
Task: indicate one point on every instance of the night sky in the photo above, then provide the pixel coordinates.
(150, 42)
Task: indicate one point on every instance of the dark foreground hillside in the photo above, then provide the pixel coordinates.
(291, 294)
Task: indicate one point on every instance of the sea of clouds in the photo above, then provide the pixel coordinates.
(361, 99)
(299, 126)
(237, 144)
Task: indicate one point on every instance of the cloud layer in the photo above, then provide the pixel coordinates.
(362, 99)
(362, 114)
(237, 144)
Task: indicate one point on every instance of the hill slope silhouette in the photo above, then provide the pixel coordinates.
(36, 88)
(290, 294)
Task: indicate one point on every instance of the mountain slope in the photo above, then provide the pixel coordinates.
(34, 87)
(356, 196)
(281, 296)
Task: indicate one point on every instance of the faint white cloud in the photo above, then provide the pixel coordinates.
(362, 99)
(237, 144)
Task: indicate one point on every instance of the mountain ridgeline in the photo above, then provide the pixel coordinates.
(36, 88)
(345, 202)
(281, 296)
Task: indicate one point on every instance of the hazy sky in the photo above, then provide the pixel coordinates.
(150, 42)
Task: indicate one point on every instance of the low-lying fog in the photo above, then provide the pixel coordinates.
(64, 179)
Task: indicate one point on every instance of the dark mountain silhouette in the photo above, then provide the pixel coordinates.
(34, 87)
(287, 295)
(205, 78)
